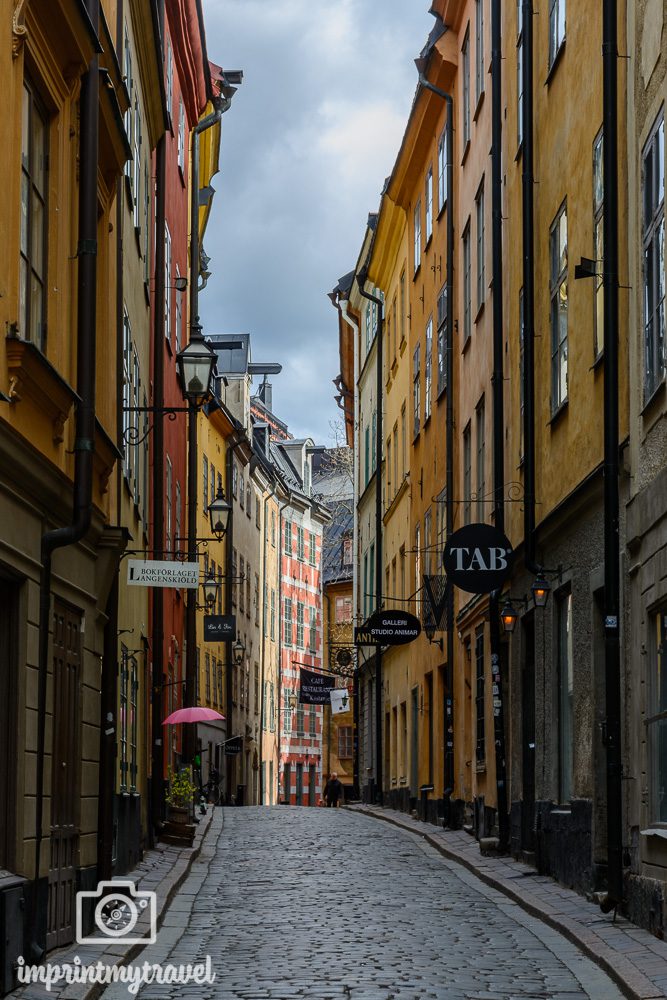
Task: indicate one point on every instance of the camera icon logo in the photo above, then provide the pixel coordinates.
(121, 914)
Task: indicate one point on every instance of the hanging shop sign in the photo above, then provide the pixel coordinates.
(478, 558)
(340, 701)
(388, 628)
(219, 628)
(314, 688)
(155, 573)
(233, 747)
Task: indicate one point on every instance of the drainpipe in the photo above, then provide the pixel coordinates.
(528, 225)
(229, 569)
(449, 777)
(498, 414)
(280, 635)
(84, 444)
(344, 306)
(262, 710)
(361, 281)
(157, 593)
(611, 462)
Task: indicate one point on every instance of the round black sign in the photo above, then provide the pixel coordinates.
(343, 657)
(393, 627)
(478, 558)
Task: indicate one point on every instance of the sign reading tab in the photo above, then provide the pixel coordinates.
(388, 628)
(154, 573)
(478, 558)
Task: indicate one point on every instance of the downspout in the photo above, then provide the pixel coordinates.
(344, 305)
(280, 634)
(498, 417)
(611, 461)
(528, 225)
(157, 593)
(229, 652)
(84, 444)
(361, 281)
(262, 710)
(449, 776)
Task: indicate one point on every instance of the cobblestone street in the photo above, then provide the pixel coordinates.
(316, 903)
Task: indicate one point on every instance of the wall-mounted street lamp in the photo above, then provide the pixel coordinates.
(210, 586)
(541, 589)
(238, 652)
(509, 616)
(218, 511)
(195, 364)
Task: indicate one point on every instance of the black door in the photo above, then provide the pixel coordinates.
(9, 614)
(528, 734)
(299, 784)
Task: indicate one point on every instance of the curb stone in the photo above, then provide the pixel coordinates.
(630, 980)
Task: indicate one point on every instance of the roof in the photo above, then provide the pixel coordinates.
(232, 351)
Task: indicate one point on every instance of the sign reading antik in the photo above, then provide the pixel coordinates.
(478, 558)
(314, 688)
(153, 573)
(388, 628)
(219, 628)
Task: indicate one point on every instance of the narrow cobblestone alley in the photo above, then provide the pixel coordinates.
(318, 904)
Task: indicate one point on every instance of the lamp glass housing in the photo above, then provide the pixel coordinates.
(218, 511)
(238, 652)
(210, 587)
(541, 589)
(195, 364)
(509, 617)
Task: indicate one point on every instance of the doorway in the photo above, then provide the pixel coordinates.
(528, 733)
(414, 748)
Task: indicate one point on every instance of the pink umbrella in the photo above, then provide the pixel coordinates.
(196, 714)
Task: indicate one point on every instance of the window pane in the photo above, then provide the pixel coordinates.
(36, 301)
(25, 200)
(37, 256)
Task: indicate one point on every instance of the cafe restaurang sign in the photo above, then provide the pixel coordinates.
(478, 558)
(388, 628)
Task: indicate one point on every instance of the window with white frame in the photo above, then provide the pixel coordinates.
(300, 625)
(656, 723)
(129, 114)
(465, 68)
(559, 302)
(167, 504)
(428, 361)
(442, 170)
(273, 616)
(598, 244)
(467, 282)
(33, 240)
(428, 204)
(167, 283)
(136, 155)
(417, 235)
(428, 528)
(442, 339)
(653, 232)
(178, 319)
(479, 49)
(556, 28)
(177, 520)
(416, 392)
(312, 549)
(181, 135)
(418, 565)
(519, 71)
(481, 271)
(288, 624)
(300, 544)
(169, 87)
(368, 325)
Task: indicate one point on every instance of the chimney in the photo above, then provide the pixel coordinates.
(266, 395)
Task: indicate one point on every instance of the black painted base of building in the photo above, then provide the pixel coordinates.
(128, 837)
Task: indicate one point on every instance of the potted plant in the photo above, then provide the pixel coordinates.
(180, 796)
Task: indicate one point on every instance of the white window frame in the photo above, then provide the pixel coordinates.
(558, 289)
(417, 235)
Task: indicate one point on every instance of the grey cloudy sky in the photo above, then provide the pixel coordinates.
(311, 135)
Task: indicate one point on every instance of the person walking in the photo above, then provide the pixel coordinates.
(333, 791)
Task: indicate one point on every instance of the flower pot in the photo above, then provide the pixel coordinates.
(179, 814)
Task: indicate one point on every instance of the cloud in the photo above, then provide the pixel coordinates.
(311, 135)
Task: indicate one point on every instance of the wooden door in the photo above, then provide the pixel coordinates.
(64, 775)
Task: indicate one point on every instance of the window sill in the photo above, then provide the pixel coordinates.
(443, 209)
(597, 363)
(415, 437)
(181, 174)
(655, 831)
(147, 294)
(556, 62)
(557, 414)
(651, 401)
(478, 106)
(479, 313)
(427, 421)
(441, 393)
(519, 152)
(137, 239)
(401, 347)
(466, 344)
(466, 150)
(428, 241)
(417, 270)
(480, 766)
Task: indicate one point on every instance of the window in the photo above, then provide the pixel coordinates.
(428, 361)
(394, 327)
(124, 716)
(404, 452)
(479, 213)
(566, 696)
(598, 246)
(272, 707)
(128, 120)
(519, 72)
(480, 743)
(234, 576)
(388, 472)
(346, 549)
(273, 616)
(556, 28)
(426, 568)
(288, 538)
(442, 339)
(242, 491)
(428, 203)
(397, 482)
(312, 549)
(235, 479)
(442, 170)
(367, 455)
(256, 687)
(258, 516)
(416, 393)
(558, 288)
(207, 662)
(247, 589)
(204, 465)
(273, 528)
(312, 721)
(287, 625)
(467, 475)
(136, 156)
(170, 77)
(241, 582)
(167, 500)
(256, 599)
(418, 235)
(248, 500)
(179, 504)
(366, 594)
(418, 565)
(147, 217)
(522, 363)
(299, 625)
(167, 283)
(467, 302)
(657, 720)
(33, 241)
(371, 575)
(402, 305)
(213, 481)
(312, 630)
(481, 485)
(181, 135)
(345, 742)
(129, 399)
(479, 49)
(343, 610)
(178, 319)
(402, 567)
(465, 53)
(299, 727)
(300, 548)
(654, 259)
(374, 456)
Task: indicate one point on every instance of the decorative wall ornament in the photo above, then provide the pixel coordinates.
(19, 30)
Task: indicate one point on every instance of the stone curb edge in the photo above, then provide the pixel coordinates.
(603, 956)
(131, 952)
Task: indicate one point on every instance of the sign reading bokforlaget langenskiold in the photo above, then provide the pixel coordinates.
(154, 573)
(388, 628)
(478, 558)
